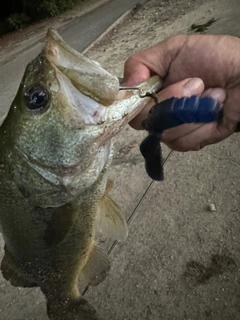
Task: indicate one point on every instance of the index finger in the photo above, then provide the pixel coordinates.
(155, 60)
(135, 71)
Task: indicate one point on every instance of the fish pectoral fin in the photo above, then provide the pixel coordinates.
(111, 221)
(96, 268)
(60, 224)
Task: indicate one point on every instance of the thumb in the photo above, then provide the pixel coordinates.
(231, 108)
(186, 87)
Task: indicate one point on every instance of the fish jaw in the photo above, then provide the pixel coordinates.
(88, 77)
(94, 91)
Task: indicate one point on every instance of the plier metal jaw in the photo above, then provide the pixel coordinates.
(145, 89)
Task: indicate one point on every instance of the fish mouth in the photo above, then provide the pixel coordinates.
(87, 76)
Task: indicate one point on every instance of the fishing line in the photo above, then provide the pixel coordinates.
(133, 214)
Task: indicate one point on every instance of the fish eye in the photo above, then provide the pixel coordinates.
(36, 97)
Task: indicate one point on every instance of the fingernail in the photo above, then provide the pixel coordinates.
(216, 93)
(192, 86)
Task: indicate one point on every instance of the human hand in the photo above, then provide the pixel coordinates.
(212, 63)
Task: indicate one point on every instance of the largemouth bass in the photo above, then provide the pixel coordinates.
(55, 150)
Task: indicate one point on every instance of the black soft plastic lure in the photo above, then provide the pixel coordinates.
(168, 114)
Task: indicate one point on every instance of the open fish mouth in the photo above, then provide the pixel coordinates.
(86, 86)
(87, 76)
